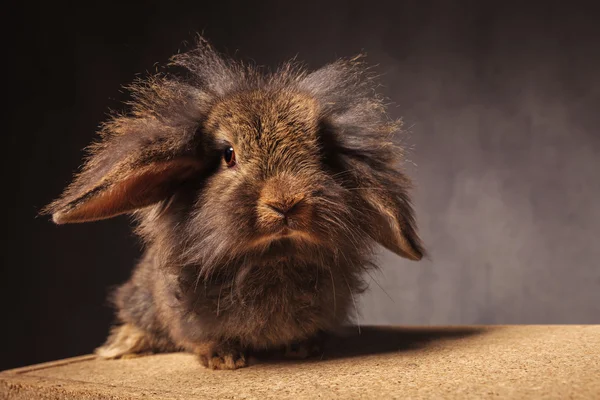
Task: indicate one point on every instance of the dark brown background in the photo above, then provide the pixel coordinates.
(503, 101)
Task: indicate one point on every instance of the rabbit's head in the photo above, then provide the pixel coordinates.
(223, 161)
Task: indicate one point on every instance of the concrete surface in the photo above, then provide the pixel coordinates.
(528, 362)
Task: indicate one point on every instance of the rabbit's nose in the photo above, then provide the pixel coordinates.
(284, 209)
(283, 202)
(290, 212)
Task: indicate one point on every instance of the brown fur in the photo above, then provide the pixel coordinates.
(266, 254)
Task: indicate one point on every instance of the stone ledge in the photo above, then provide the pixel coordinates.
(527, 362)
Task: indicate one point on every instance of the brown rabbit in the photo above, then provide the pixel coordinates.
(260, 198)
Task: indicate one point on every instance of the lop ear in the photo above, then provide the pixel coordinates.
(395, 228)
(128, 170)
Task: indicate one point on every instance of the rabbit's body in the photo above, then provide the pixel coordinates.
(260, 199)
(265, 305)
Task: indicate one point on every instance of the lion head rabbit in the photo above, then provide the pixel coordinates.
(259, 196)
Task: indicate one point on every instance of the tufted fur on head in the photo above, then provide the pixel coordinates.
(314, 184)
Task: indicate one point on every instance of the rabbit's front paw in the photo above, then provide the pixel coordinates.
(221, 356)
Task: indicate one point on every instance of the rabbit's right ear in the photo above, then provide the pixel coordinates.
(127, 171)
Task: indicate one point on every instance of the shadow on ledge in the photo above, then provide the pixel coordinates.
(381, 339)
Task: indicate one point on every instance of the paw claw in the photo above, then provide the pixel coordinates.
(222, 358)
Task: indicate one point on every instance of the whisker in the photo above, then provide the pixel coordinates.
(333, 288)
(380, 287)
(353, 301)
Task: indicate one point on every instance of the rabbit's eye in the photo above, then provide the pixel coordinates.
(229, 156)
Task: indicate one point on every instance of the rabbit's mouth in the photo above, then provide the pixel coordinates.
(288, 233)
(285, 233)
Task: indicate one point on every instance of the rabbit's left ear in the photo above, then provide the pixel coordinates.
(395, 228)
(127, 171)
